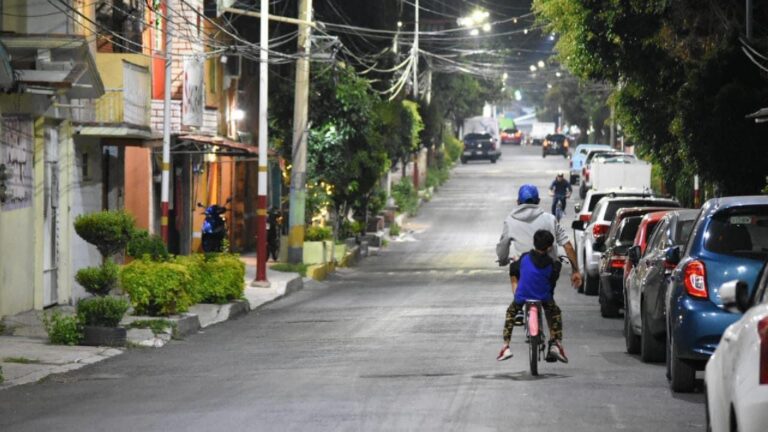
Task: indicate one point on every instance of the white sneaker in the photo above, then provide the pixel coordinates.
(505, 353)
(556, 351)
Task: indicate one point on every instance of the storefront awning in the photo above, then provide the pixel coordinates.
(117, 131)
(224, 145)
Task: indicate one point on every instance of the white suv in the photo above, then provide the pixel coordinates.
(597, 228)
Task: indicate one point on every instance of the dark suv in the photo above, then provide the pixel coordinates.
(480, 146)
(556, 144)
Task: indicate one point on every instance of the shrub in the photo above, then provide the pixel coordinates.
(394, 229)
(377, 201)
(318, 233)
(102, 311)
(63, 329)
(300, 268)
(453, 146)
(436, 176)
(142, 244)
(405, 197)
(215, 278)
(157, 288)
(98, 280)
(109, 231)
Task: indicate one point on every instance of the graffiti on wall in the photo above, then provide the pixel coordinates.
(194, 92)
(16, 155)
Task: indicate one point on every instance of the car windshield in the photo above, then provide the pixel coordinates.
(556, 137)
(614, 206)
(510, 131)
(741, 232)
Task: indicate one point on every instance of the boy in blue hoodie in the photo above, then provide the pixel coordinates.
(534, 277)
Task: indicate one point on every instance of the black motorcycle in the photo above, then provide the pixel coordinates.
(214, 227)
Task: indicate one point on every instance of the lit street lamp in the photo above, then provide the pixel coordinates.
(541, 64)
(533, 68)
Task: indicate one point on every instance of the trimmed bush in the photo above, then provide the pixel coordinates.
(394, 229)
(109, 231)
(215, 278)
(102, 311)
(157, 288)
(405, 197)
(62, 329)
(318, 233)
(142, 244)
(98, 280)
(453, 146)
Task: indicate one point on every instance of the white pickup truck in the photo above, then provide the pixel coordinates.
(634, 176)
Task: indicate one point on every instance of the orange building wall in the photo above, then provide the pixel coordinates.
(138, 187)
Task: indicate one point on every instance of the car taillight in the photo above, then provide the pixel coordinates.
(585, 217)
(600, 230)
(617, 262)
(762, 332)
(565, 144)
(695, 279)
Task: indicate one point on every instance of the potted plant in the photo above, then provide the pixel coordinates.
(110, 232)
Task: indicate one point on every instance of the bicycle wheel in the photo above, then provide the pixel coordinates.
(534, 338)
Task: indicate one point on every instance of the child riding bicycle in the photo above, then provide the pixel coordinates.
(534, 277)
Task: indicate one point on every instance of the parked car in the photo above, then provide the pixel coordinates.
(555, 144)
(480, 146)
(736, 375)
(601, 157)
(511, 136)
(614, 249)
(645, 288)
(578, 157)
(584, 210)
(729, 240)
(597, 228)
(644, 232)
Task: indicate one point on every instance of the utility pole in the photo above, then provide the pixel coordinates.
(416, 89)
(612, 141)
(749, 20)
(261, 199)
(300, 115)
(166, 177)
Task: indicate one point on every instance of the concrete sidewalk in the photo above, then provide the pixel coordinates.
(26, 356)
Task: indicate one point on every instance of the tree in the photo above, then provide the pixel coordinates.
(683, 87)
(581, 105)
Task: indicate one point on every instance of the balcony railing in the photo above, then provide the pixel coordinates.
(116, 106)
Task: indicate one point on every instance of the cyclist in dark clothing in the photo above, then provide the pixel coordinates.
(560, 189)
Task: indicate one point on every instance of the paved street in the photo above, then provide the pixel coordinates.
(406, 341)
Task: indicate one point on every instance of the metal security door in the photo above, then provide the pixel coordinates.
(51, 220)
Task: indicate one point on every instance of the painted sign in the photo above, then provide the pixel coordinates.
(194, 92)
(16, 154)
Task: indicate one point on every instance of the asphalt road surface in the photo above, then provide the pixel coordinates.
(405, 341)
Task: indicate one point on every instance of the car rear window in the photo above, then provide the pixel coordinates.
(614, 206)
(741, 232)
(627, 234)
(477, 136)
(684, 229)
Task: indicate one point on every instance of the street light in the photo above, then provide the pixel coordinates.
(533, 68)
(238, 115)
(558, 74)
(474, 32)
(541, 64)
(475, 21)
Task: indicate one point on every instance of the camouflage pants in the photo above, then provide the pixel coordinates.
(551, 311)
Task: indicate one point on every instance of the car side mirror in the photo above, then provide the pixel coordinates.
(633, 254)
(672, 255)
(577, 207)
(578, 225)
(735, 296)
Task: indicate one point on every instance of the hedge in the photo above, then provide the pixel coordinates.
(157, 288)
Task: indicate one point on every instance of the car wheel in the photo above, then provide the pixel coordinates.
(607, 309)
(651, 349)
(582, 191)
(565, 155)
(463, 160)
(543, 155)
(631, 340)
(590, 284)
(493, 160)
(682, 376)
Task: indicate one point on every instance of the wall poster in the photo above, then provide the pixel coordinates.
(17, 155)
